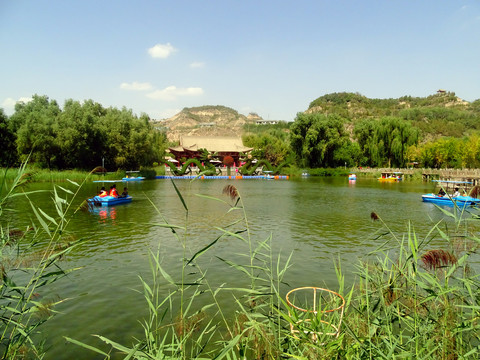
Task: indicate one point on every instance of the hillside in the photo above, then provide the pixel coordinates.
(356, 106)
(441, 114)
(206, 121)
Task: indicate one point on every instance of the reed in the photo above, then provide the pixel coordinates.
(45, 175)
(30, 261)
(410, 299)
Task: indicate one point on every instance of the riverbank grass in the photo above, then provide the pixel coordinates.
(30, 261)
(410, 300)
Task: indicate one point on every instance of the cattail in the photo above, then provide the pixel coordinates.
(231, 191)
(475, 192)
(434, 259)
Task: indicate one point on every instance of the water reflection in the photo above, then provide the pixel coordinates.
(104, 213)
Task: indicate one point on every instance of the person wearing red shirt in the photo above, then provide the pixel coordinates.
(103, 192)
(113, 191)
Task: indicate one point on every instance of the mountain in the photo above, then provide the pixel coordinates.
(206, 120)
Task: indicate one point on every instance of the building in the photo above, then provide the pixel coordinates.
(266, 122)
(224, 146)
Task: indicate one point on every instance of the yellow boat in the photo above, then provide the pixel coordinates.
(390, 177)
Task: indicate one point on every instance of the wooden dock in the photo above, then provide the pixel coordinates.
(470, 175)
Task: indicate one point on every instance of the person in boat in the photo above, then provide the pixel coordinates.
(456, 193)
(113, 191)
(103, 192)
(125, 192)
(441, 193)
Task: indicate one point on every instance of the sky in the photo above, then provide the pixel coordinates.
(270, 57)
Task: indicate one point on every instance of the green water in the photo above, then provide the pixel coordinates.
(319, 221)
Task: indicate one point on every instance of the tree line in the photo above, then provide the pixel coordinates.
(81, 136)
(347, 129)
(338, 130)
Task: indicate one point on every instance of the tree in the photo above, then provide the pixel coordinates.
(36, 125)
(385, 141)
(268, 146)
(8, 151)
(316, 139)
(81, 139)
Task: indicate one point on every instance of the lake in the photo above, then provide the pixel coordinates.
(319, 221)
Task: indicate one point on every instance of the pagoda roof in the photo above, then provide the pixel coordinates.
(212, 144)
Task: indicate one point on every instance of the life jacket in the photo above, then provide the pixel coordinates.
(113, 192)
(103, 193)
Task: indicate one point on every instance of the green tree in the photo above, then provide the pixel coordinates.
(81, 139)
(8, 151)
(36, 124)
(385, 141)
(268, 146)
(316, 139)
(131, 142)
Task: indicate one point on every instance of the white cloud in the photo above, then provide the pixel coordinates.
(136, 86)
(197, 64)
(161, 51)
(9, 104)
(170, 93)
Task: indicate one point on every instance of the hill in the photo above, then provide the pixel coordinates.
(206, 120)
(356, 106)
(441, 114)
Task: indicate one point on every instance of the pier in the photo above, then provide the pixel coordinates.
(469, 175)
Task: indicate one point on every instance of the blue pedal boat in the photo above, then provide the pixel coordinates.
(109, 200)
(461, 201)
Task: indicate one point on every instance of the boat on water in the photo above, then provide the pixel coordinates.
(461, 201)
(109, 200)
(133, 178)
(449, 185)
(391, 177)
(352, 177)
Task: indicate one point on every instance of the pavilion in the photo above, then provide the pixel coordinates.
(224, 146)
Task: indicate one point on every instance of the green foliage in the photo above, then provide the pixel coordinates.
(35, 252)
(268, 146)
(82, 135)
(317, 140)
(147, 173)
(36, 129)
(7, 142)
(385, 142)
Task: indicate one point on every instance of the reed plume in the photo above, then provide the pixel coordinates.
(434, 259)
(230, 191)
(475, 192)
(374, 216)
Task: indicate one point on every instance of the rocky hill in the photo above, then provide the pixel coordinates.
(206, 121)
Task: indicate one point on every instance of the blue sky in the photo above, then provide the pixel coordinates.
(268, 57)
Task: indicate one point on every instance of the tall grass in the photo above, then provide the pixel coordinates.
(30, 260)
(45, 175)
(411, 300)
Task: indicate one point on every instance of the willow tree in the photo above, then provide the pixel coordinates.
(385, 142)
(317, 140)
